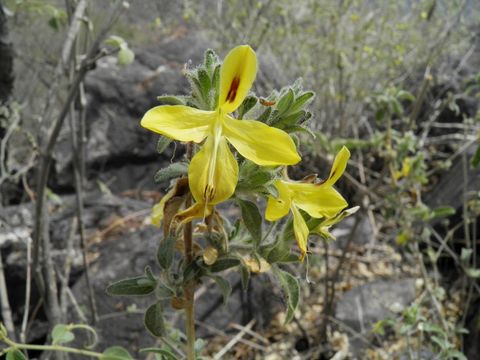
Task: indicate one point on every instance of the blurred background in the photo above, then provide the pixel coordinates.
(397, 82)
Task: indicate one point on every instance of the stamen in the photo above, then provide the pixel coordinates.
(232, 93)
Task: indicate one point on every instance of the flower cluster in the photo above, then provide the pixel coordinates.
(213, 171)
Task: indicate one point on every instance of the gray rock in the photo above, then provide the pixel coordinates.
(362, 234)
(117, 98)
(364, 305)
(126, 256)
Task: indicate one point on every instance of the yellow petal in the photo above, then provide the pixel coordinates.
(300, 229)
(157, 211)
(323, 228)
(260, 143)
(196, 211)
(236, 77)
(179, 122)
(340, 216)
(169, 204)
(213, 172)
(317, 200)
(278, 207)
(257, 265)
(339, 166)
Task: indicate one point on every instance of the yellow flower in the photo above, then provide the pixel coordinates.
(323, 228)
(213, 171)
(317, 200)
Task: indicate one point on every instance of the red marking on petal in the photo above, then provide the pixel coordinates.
(232, 93)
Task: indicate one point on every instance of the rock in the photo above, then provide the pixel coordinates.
(364, 305)
(121, 318)
(448, 191)
(119, 152)
(362, 233)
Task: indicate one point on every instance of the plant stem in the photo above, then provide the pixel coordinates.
(189, 288)
(14, 345)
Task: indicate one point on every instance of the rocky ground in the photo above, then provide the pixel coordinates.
(121, 162)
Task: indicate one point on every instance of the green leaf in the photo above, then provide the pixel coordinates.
(163, 292)
(246, 106)
(244, 276)
(116, 353)
(224, 285)
(301, 101)
(172, 100)
(116, 41)
(166, 252)
(164, 354)
(154, 321)
(125, 56)
(172, 171)
(453, 354)
(216, 84)
(210, 61)
(265, 116)
(15, 354)
(252, 219)
(224, 264)
(290, 119)
(432, 328)
(291, 288)
(285, 102)
(476, 158)
(204, 81)
(61, 334)
(465, 255)
(442, 211)
(137, 286)
(473, 273)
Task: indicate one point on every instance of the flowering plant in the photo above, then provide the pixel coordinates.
(264, 134)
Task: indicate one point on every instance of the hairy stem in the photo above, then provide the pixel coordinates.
(189, 288)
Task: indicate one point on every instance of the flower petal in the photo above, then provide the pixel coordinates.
(317, 200)
(213, 172)
(260, 143)
(179, 122)
(278, 207)
(300, 230)
(339, 166)
(196, 211)
(236, 77)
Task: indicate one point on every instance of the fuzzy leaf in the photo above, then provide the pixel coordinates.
(137, 286)
(476, 158)
(301, 101)
(162, 144)
(224, 264)
(172, 100)
(442, 211)
(172, 171)
(116, 353)
(166, 252)
(15, 354)
(125, 56)
(291, 288)
(224, 286)
(164, 354)
(285, 102)
(252, 219)
(247, 105)
(154, 321)
(61, 334)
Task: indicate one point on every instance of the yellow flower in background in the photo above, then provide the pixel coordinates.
(213, 171)
(318, 200)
